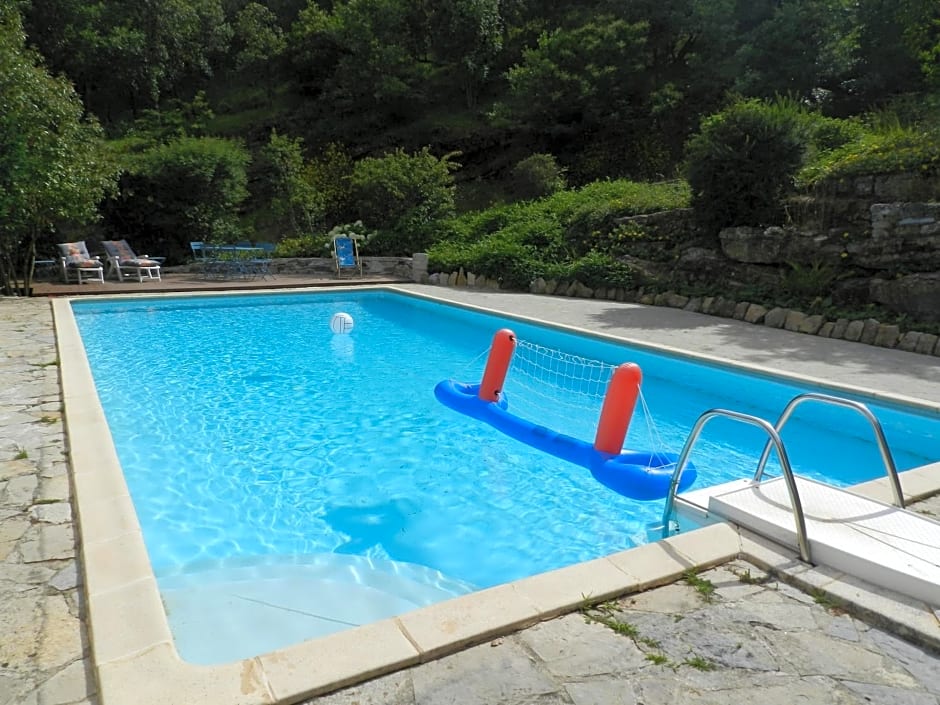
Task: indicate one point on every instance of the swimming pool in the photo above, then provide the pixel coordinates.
(258, 394)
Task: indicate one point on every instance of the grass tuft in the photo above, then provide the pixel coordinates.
(702, 664)
(704, 587)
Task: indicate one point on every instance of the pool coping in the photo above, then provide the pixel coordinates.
(134, 657)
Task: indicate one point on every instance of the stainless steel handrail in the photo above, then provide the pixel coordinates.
(886, 457)
(801, 539)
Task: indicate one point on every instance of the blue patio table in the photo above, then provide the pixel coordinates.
(234, 261)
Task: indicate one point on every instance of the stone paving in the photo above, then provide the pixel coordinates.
(43, 641)
(730, 635)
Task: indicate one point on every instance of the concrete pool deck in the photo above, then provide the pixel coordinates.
(45, 656)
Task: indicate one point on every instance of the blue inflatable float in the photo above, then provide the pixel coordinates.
(642, 475)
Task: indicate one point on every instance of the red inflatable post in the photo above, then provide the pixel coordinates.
(497, 364)
(617, 409)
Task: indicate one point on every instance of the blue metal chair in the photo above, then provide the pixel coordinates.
(212, 266)
(261, 263)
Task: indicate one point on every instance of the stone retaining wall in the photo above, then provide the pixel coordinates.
(393, 266)
(843, 204)
(898, 236)
(869, 331)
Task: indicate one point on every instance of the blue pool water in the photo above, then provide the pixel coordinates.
(248, 431)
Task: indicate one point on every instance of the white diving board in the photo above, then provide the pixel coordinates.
(877, 542)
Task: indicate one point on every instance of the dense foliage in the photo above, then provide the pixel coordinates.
(405, 197)
(536, 176)
(186, 190)
(279, 119)
(742, 163)
(876, 150)
(53, 165)
(566, 236)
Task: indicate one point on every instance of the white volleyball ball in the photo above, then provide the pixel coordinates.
(341, 323)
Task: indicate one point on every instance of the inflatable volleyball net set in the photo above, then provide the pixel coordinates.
(638, 474)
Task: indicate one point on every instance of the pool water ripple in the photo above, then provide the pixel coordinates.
(247, 431)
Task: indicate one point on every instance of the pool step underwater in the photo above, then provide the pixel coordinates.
(877, 542)
(225, 613)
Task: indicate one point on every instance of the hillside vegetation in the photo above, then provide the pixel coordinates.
(504, 133)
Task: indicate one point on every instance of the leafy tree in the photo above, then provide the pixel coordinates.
(128, 55)
(621, 91)
(386, 61)
(584, 75)
(52, 168)
(177, 119)
(467, 35)
(887, 55)
(189, 189)
(315, 48)
(295, 196)
(330, 173)
(284, 11)
(365, 57)
(260, 42)
(688, 68)
(405, 198)
(802, 49)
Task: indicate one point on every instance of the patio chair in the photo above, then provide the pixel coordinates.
(77, 264)
(261, 261)
(199, 251)
(208, 256)
(124, 264)
(346, 255)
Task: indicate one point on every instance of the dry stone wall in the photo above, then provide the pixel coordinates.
(323, 266)
(869, 331)
(878, 235)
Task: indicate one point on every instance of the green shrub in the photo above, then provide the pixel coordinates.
(311, 245)
(511, 263)
(294, 199)
(570, 222)
(330, 174)
(474, 225)
(743, 161)
(545, 238)
(537, 176)
(826, 133)
(597, 269)
(890, 149)
(638, 241)
(807, 281)
(303, 246)
(186, 190)
(405, 197)
(448, 256)
(590, 216)
(540, 231)
(624, 197)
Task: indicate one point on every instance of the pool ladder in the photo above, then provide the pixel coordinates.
(773, 433)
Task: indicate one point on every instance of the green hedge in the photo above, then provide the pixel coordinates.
(563, 236)
(742, 163)
(884, 151)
